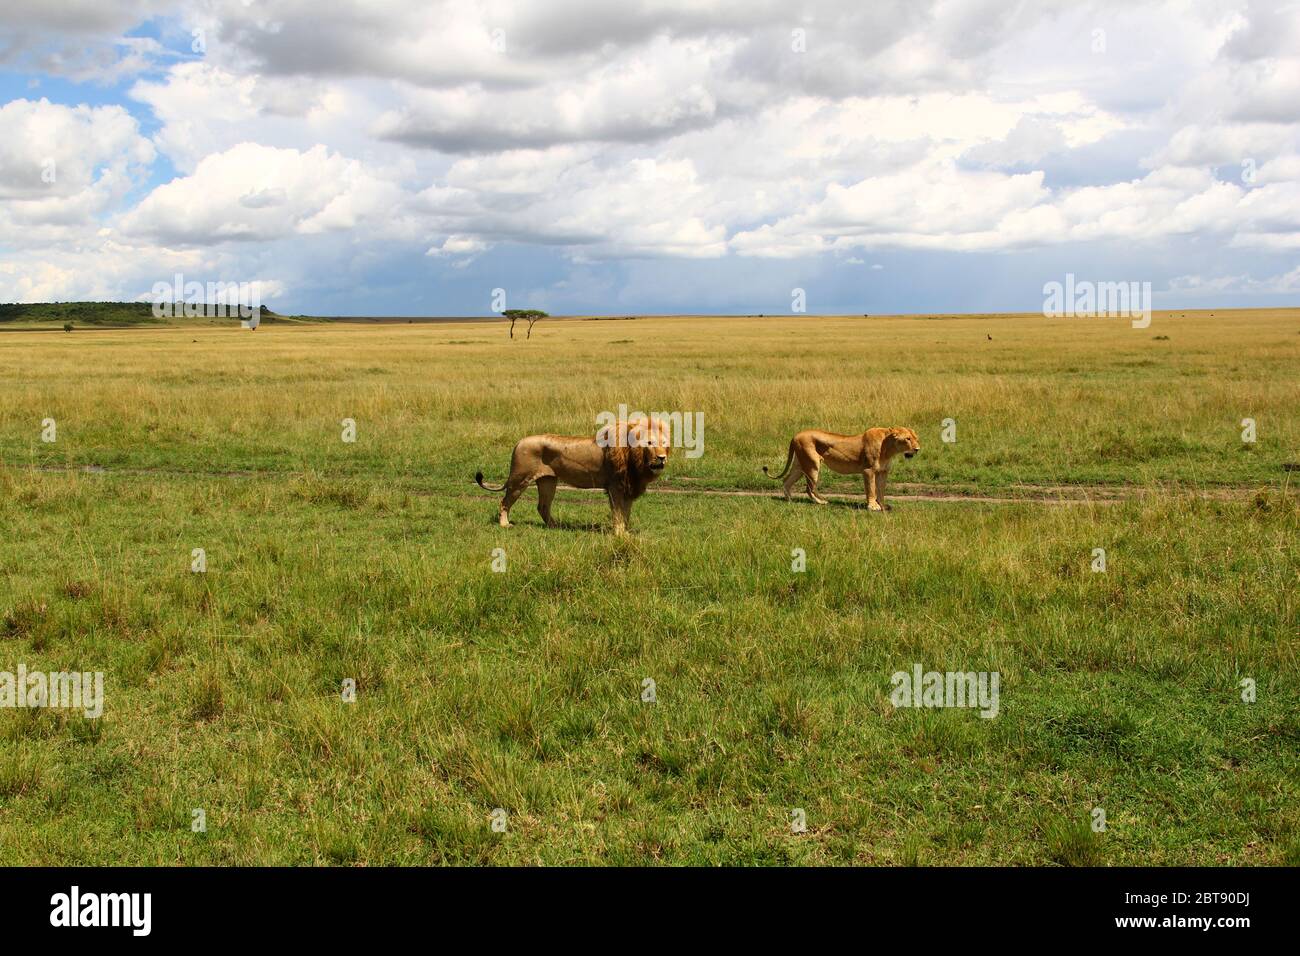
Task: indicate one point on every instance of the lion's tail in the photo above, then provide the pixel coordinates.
(788, 458)
(478, 480)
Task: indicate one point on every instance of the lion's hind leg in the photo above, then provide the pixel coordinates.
(805, 465)
(545, 495)
(810, 465)
(792, 475)
(516, 485)
(812, 487)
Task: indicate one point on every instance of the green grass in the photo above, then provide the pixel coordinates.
(476, 690)
(521, 689)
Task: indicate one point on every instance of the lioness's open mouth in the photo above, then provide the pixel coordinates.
(908, 454)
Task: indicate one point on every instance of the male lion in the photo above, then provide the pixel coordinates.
(868, 453)
(623, 459)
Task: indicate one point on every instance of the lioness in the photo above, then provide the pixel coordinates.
(868, 453)
(623, 459)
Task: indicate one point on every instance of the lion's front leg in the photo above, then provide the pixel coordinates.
(620, 508)
(882, 479)
(869, 479)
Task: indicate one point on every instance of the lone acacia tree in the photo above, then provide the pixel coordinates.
(531, 315)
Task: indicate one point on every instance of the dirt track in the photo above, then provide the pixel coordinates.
(1013, 494)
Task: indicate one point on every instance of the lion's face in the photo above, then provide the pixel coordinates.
(906, 441)
(652, 440)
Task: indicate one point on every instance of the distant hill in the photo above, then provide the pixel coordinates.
(103, 315)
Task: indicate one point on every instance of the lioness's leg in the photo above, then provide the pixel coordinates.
(869, 479)
(791, 476)
(812, 476)
(545, 494)
(881, 480)
(810, 465)
(515, 486)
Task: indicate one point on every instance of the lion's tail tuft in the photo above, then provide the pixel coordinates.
(478, 480)
(788, 458)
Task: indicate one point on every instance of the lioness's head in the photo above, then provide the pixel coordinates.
(904, 440)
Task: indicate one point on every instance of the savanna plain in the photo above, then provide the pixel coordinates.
(521, 690)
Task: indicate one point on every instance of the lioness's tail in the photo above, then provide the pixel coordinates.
(478, 479)
(788, 458)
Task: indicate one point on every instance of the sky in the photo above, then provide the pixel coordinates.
(385, 157)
